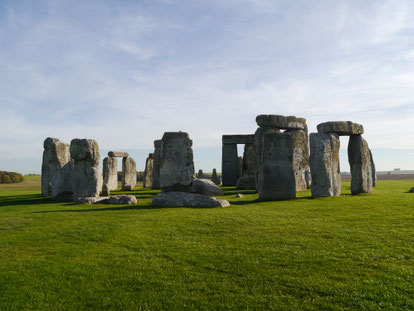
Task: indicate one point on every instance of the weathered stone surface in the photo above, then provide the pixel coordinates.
(360, 162)
(117, 199)
(87, 180)
(110, 175)
(276, 180)
(247, 181)
(118, 154)
(157, 164)
(300, 157)
(177, 166)
(258, 143)
(229, 165)
(324, 165)
(129, 174)
(308, 179)
(342, 128)
(185, 199)
(214, 177)
(57, 169)
(149, 168)
(206, 187)
(240, 167)
(237, 139)
(281, 122)
(374, 171)
(200, 174)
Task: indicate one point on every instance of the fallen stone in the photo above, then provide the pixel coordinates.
(185, 199)
(360, 162)
(281, 122)
(117, 199)
(118, 154)
(206, 187)
(342, 128)
(324, 165)
(129, 174)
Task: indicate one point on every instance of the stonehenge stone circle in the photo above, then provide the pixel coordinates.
(342, 128)
(360, 162)
(57, 168)
(149, 167)
(156, 165)
(110, 175)
(177, 166)
(129, 174)
(324, 164)
(87, 180)
(276, 178)
(185, 199)
(214, 177)
(116, 199)
(247, 180)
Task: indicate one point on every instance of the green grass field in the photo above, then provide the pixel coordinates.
(346, 253)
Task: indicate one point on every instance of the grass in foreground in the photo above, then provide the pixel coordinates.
(352, 252)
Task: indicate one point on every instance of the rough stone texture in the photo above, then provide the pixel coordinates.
(57, 169)
(214, 177)
(281, 122)
(177, 166)
(87, 180)
(276, 180)
(300, 158)
(374, 171)
(360, 162)
(240, 167)
(129, 174)
(342, 128)
(324, 165)
(308, 179)
(118, 154)
(229, 165)
(157, 164)
(117, 199)
(110, 175)
(200, 174)
(206, 187)
(185, 199)
(247, 181)
(149, 168)
(258, 143)
(237, 139)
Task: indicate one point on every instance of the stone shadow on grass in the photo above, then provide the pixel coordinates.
(25, 199)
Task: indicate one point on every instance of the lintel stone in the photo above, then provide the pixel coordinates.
(118, 154)
(237, 139)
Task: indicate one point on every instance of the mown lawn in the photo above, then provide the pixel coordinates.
(351, 252)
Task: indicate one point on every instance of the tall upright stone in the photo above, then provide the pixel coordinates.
(87, 180)
(110, 175)
(149, 167)
(360, 162)
(276, 178)
(247, 180)
(214, 177)
(57, 168)
(200, 174)
(300, 158)
(156, 165)
(177, 166)
(229, 165)
(129, 174)
(258, 143)
(324, 164)
(374, 171)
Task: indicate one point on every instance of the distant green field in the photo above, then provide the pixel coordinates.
(346, 253)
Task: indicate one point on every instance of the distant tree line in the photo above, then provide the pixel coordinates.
(10, 177)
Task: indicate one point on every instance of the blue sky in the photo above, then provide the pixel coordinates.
(124, 72)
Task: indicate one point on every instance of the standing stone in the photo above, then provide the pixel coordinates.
(248, 180)
(87, 180)
(324, 165)
(229, 165)
(214, 177)
(360, 162)
(177, 166)
(110, 175)
(300, 157)
(276, 178)
(149, 167)
(129, 174)
(156, 165)
(57, 168)
(374, 172)
(240, 166)
(200, 174)
(258, 143)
